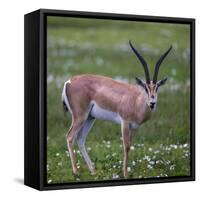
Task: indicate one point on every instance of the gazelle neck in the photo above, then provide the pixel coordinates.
(145, 111)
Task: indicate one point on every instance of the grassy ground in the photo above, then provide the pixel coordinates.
(161, 146)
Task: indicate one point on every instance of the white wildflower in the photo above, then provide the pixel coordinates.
(108, 156)
(147, 158)
(151, 162)
(132, 147)
(172, 167)
(185, 145)
(150, 149)
(108, 145)
(89, 148)
(114, 154)
(49, 181)
(149, 166)
(115, 176)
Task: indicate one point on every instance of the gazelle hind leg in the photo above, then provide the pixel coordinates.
(126, 135)
(70, 136)
(81, 137)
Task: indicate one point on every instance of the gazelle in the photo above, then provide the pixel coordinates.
(88, 97)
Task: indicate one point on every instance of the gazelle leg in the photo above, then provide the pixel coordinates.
(126, 143)
(81, 137)
(70, 136)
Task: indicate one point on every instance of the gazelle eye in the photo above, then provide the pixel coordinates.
(157, 89)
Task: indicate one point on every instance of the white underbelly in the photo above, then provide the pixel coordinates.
(103, 114)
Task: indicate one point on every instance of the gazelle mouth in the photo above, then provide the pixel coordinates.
(152, 105)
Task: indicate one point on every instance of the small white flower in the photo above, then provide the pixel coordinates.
(115, 176)
(151, 162)
(157, 151)
(49, 181)
(57, 154)
(129, 169)
(149, 166)
(157, 161)
(67, 153)
(108, 156)
(78, 152)
(89, 148)
(60, 164)
(185, 145)
(147, 158)
(180, 146)
(133, 163)
(120, 162)
(150, 149)
(172, 167)
(114, 166)
(167, 162)
(132, 147)
(175, 146)
(108, 145)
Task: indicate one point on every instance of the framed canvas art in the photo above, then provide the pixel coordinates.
(109, 99)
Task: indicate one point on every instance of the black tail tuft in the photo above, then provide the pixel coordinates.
(65, 109)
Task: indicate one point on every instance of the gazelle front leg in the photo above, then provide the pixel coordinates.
(126, 136)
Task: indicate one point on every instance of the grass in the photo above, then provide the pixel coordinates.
(161, 146)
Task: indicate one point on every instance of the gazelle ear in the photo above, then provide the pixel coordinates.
(140, 82)
(162, 82)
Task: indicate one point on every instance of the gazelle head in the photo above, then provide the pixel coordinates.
(150, 86)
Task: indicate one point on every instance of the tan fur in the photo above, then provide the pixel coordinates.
(129, 101)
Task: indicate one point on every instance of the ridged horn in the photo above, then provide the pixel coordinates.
(144, 64)
(157, 66)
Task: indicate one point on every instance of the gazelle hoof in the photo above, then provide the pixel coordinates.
(125, 174)
(93, 172)
(76, 172)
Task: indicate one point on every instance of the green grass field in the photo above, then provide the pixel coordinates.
(161, 146)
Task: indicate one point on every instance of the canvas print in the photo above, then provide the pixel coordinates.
(118, 100)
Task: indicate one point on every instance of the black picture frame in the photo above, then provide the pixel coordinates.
(35, 97)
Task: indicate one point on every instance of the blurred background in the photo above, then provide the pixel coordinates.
(161, 146)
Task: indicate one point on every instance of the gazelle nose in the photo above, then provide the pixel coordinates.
(152, 104)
